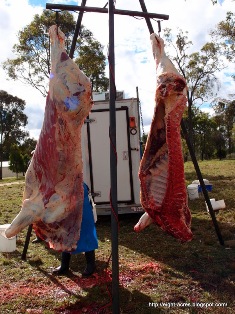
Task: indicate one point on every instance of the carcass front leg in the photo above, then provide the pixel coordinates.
(144, 221)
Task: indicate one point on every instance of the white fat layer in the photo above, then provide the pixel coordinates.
(31, 211)
(158, 178)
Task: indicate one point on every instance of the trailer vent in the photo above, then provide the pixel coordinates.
(119, 95)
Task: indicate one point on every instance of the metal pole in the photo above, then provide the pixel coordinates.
(200, 178)
(140, 122)
(193, 157)
(104, 10)
(147, 19)
(26, 245)
(113, 164)
(77, 29)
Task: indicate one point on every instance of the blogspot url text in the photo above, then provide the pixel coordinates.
(185, 304)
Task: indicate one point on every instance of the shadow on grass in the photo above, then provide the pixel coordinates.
(94, 294)
(203, 259)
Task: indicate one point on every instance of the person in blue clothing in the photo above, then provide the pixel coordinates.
(87, 242)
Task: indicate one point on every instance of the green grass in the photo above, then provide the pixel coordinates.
(11, 179)
(154, 267)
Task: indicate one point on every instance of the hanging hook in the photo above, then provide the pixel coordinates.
(159, 27)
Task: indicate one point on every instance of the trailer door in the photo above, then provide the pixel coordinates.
(99, 156)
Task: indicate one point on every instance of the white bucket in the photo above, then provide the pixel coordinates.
(216, 205)
(198, 182)
(192, 191)
(6, 245)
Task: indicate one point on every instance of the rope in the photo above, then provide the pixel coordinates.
(141, 119)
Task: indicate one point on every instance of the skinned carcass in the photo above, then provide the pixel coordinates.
(161, 172)
(53, 195)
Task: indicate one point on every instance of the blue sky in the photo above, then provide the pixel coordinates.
(42, 3)
(133, 54)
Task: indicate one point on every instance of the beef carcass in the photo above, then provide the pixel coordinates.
(53, 195)
(161, 172)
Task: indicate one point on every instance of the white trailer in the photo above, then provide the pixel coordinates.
(96, 154)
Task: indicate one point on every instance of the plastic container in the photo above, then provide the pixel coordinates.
(208, 187)
(216, 205)
(192, 191)
(207, 184)
(6, 245)
(198, 182)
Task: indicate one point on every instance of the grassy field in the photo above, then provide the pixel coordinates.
(157, 273)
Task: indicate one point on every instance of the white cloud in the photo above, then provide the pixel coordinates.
(197, 17)
(134, 64)
(11, 22)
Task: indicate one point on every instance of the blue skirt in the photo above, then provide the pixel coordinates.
(88, 238)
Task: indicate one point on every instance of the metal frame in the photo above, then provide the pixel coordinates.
(82, 8)
(113, 161)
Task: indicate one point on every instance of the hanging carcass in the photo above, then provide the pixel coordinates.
(161, 172)
(53, 195)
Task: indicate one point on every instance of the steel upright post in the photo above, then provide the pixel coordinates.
(77, 29)
(113, 164)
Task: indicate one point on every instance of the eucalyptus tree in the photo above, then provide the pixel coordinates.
(12, 123)
(198, 68)
(16, 160)
(204, 130)
(31, 64)
(225, 118)
(225, 33)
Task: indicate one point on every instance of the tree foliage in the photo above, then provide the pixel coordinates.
(198, 68)
(16, 160)
(12, 121)
(210, 136)
(225, 118)
(92, 62)
(225, 33)
(20, 156)
(204, 130)
(32, 62)
(28, 146)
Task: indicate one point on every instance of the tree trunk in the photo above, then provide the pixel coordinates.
(202, 147)
(190, 123)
